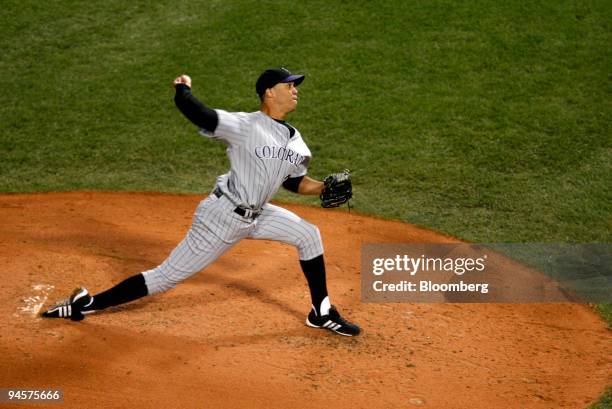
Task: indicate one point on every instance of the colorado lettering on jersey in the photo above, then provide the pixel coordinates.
(280, 153)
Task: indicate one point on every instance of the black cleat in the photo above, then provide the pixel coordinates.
(72, 307)
(333, 322)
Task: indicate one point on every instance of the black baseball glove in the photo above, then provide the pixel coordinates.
(338, 189)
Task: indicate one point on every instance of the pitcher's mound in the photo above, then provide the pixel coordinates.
(233, 336)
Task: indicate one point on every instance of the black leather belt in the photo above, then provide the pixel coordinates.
(244, 212)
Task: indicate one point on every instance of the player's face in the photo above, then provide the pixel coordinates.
(285, 96)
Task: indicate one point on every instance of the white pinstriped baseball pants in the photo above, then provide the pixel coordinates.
(216, 228)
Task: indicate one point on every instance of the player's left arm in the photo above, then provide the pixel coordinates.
(335, 190)
(304, 185)
(310, 186)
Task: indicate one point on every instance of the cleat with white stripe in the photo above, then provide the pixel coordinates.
(332, 322)
(73, 307)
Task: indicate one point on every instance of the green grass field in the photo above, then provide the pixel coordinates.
(486, 120)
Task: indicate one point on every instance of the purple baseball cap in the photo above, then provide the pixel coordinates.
(273, 76)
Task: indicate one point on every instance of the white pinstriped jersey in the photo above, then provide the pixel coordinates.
(262, 156)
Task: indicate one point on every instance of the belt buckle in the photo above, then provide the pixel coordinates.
(247, 212)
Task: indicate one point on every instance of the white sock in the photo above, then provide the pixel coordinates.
(325, 306)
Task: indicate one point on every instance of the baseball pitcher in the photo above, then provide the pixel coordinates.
(265, 152)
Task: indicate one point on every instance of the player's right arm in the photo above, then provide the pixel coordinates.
(231, 127)
(194, 110)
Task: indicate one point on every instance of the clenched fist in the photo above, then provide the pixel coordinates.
(183, 79)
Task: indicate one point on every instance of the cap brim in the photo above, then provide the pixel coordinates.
(296, 79)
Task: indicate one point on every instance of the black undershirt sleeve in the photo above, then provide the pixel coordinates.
(194, 110)
(293, 184)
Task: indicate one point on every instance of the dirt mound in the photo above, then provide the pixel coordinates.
(233, 335)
